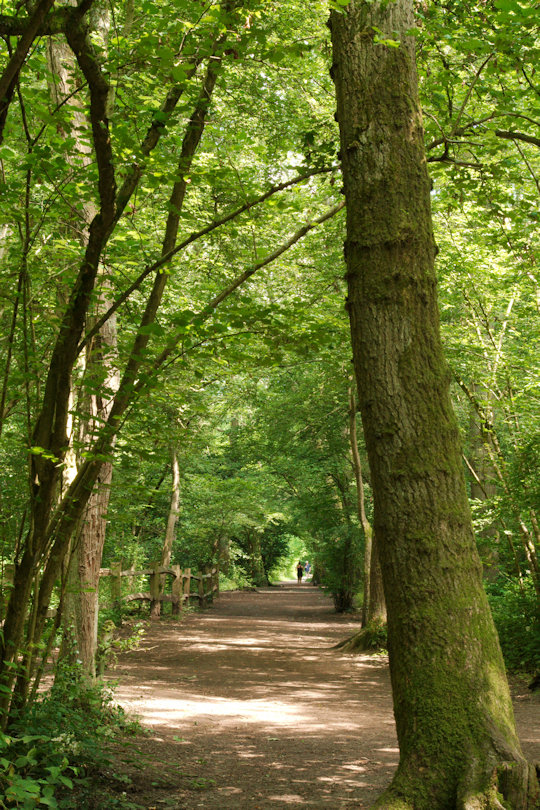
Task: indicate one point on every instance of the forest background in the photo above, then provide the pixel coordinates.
(175, 356)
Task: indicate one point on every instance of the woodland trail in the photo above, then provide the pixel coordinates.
(248, 707)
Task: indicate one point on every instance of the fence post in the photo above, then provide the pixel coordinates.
(187, 584)
(155, 605)
(116, 583)
(201, 589)
(176, 590)
(209, 572)
(215, 580)
(131, 578)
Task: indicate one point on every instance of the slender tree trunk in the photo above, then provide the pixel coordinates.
(530, 540)
(257, 572)
(347, 562)
(372, 570)
(483, 486)
(371, 636)
(377, 604)
(170, 529)
(458, 745)
(174, 511)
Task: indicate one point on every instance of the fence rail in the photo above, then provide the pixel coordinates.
(182, 590)
(184, 586)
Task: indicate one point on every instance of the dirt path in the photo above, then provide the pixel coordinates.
(249, 708)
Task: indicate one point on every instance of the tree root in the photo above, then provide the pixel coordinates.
(512, 786)
(371, 638)
(388, 802)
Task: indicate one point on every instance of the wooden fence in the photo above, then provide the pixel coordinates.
(182, 587)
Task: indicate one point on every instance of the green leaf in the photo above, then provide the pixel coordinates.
(508, 5)
(178, 73)
(152, 329)
(48, 801)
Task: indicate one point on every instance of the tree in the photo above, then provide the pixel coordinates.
(143, 151)
(458, 745)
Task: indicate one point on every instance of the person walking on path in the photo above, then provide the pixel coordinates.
(299, 572)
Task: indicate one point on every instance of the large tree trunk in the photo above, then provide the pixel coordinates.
(458, 745)
(83, 588)
(81, 601)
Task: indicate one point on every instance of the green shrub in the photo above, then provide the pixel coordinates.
(32, 768)
(337, 566)
(516, 612)
(54, 747)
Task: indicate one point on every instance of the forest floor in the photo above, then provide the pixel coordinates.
(247, 706)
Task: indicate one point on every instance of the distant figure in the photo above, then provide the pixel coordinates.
(307, 568)
(299, 572)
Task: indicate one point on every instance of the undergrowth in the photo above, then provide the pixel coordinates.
(53, 753)
(516, 612)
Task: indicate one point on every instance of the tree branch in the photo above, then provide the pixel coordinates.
(469, 92)
(99, 88)
(70, 507)
(56, 22)
(517, 136)
(241, 279)
(9, 77)
(166, 258)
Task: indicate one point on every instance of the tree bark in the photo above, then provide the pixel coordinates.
(81, 602)
(454, 718)
(377, 604)
(257, 573)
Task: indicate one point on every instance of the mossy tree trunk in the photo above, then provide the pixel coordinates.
(256, 566)
(458, 745)
(94, 399)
